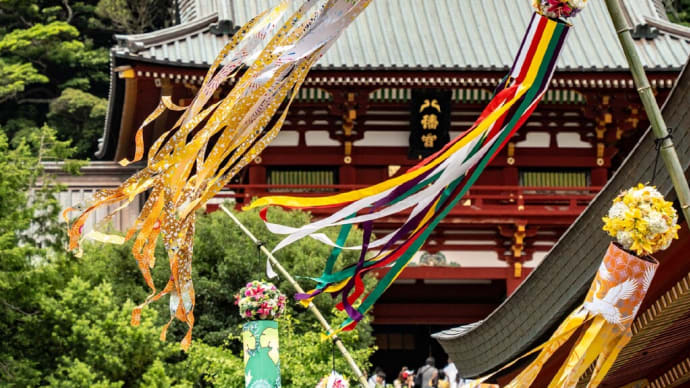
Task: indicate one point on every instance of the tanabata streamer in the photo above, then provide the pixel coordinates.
(600, 326)
(431, 188)
(211, 142)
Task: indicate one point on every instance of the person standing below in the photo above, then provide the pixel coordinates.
(451, 372)
(401, 380)
(409, 383)
(443, 381)
(380, 379)
(374, 379)
(426, 374)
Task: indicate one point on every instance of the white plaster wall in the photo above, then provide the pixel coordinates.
(286, 139)
(320, 139)
(384, 139)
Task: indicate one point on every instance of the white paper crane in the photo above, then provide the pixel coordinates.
(607, 306)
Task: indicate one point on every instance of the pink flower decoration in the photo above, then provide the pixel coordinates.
(559, 8)
(260, 301)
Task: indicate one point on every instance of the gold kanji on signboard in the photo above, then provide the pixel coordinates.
(429, 140)
(430, 121)
(433, 103)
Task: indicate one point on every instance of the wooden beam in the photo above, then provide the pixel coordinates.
(430, 313)
(453, 273)
(410, 78)
(127, 124)
(674, 377)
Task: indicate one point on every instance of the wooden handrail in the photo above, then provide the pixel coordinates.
(474, 188)
(489, 200)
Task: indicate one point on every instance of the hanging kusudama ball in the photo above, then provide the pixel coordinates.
(260, 301)
(642, 221)
(559, 8)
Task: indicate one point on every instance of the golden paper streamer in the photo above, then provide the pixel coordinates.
(181, 176)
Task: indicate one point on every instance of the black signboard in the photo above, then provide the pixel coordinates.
(429, 121)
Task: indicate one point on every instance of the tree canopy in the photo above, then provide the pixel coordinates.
(54, 62)
(678, 11)
(65, 320)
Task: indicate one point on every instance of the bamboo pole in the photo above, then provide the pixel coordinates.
(283, 272)
(667, 150)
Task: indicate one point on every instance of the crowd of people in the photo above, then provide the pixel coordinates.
(425, 376)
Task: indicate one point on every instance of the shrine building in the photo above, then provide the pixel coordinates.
(403, 79)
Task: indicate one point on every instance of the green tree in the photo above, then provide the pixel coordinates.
(68, 320)
(78, 115)
(137, 16)
(16, 77)
(30, 244)
(89, 329)
(45, 55)
(52, 49)
(222, 268)
(224, 261)
(678, 11)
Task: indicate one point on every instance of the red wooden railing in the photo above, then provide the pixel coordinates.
(479, 201)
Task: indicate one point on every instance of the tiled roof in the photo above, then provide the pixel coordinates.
(560, 282)
(428, 34)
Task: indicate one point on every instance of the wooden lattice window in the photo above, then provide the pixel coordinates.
(300, 176)
(554, 177)
(395, 341)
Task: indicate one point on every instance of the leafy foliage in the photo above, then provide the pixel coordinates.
(678, 11)
(136, 16)
(222, 268)
(54, 65)
(66, 321)
(94, 339)
(16, 77)
(78, 115)
(30, 244)
(224, 260)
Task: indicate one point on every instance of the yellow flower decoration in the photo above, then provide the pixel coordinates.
(642, 221)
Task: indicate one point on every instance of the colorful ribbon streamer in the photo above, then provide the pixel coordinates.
(211, 142)
(431, 188)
